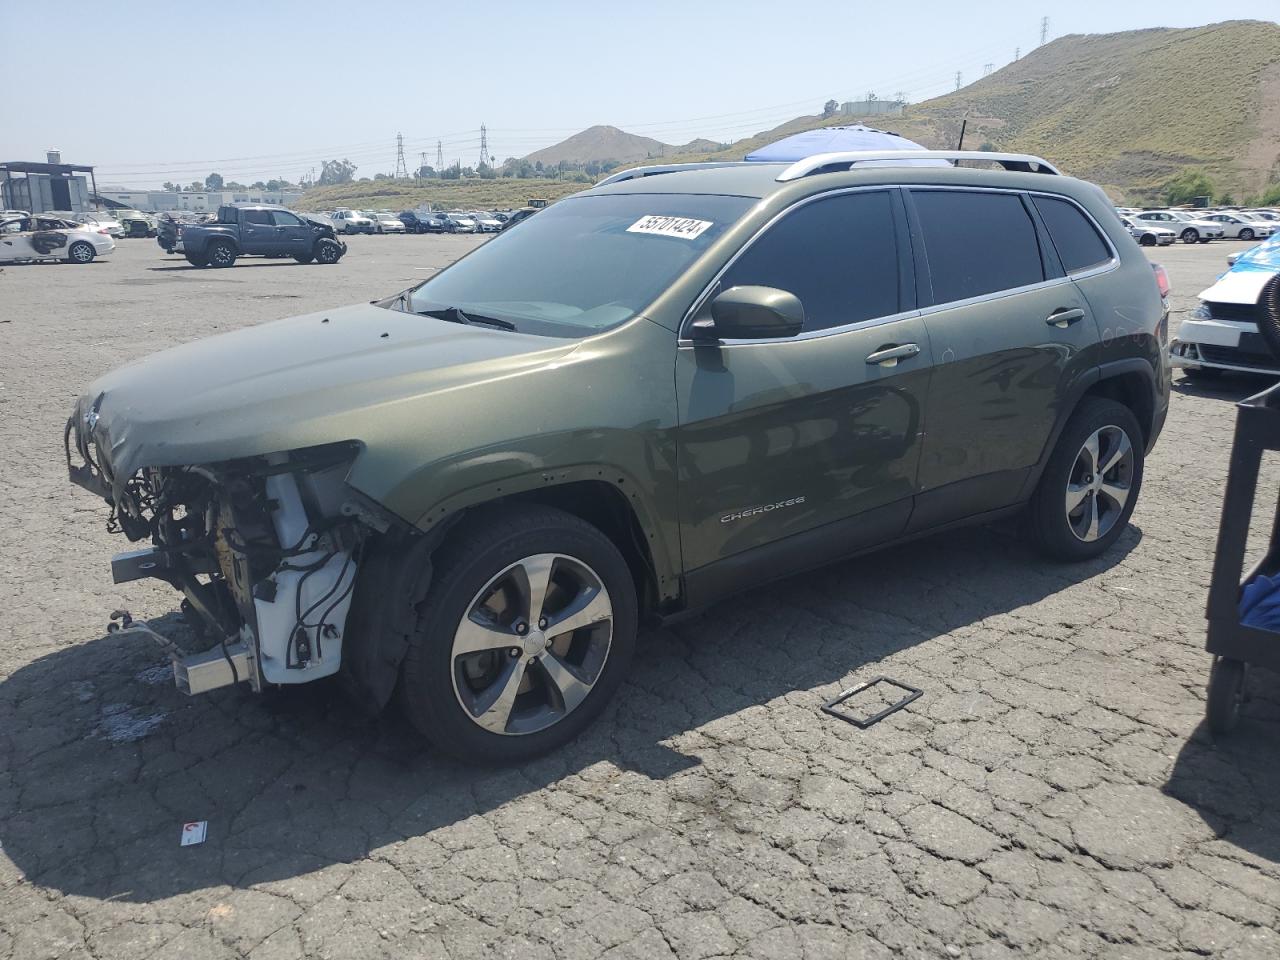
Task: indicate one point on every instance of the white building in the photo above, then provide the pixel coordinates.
(205, 201)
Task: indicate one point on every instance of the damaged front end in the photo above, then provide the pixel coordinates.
(265, 551)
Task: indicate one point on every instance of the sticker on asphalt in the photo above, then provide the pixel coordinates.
(682, 227)
(194, 832)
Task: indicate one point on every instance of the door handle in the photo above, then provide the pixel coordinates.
(1063, 317)
(889, 356)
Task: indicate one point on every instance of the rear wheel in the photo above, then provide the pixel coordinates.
(81, 252)
(222, 254)
(1190, 235)
(1091, 483)
(523, 639)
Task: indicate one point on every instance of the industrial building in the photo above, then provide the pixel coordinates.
(196, 201)
(53, 185)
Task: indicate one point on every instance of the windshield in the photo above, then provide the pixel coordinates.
(1185, 217)
(584, 264)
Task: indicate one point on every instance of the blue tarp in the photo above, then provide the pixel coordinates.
(798, 146)
(1265, 256)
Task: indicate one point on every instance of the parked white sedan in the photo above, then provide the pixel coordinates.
(1242, 226)
(101, 221)
(1190, 228)
(1148, 234)
(51, 238)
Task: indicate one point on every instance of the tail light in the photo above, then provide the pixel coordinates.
(1162, 279)
(104, 233)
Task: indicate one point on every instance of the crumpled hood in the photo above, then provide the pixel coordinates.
(308, 380)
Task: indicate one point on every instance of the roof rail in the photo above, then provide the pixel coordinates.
(652, 171)
(822, 162)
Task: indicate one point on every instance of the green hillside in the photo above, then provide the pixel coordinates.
(1126, 110)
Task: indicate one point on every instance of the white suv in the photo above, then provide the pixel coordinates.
(1189, 227)
(351, 221)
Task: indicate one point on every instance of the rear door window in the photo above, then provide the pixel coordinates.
(977, 243)
(260, 218)
(839, 255)
(1076, 239)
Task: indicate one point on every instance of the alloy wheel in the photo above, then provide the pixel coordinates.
(1099, 484)
(532, 644)
(82, 253)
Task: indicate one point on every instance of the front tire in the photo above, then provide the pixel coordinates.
(1190, 235)
(327, 251)
(1148, 240)
(81, 252)
(1246, 234)
(1090, 486)
(524, 637)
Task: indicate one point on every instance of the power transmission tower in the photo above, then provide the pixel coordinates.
(402, 170)
(422, 161)
(1017, 53)
(1044, 30)
(900, 97)
(484, 145)
(958, 79)
(439, 156)
(987, 68)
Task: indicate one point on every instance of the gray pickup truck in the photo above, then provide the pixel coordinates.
(254, 231)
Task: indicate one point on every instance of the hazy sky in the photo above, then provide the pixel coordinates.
(161, 91)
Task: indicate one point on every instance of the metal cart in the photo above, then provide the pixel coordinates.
(1234, 645)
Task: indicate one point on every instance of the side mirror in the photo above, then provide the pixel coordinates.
(750, 313)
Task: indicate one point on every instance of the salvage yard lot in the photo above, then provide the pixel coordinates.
(1052, 793)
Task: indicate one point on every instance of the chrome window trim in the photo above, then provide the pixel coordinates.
(1085, 274)
(701, 298)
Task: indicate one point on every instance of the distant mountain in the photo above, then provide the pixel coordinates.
(1126, 110)
(602, 143)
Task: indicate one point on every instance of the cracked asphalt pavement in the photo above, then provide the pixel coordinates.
(1054, 793)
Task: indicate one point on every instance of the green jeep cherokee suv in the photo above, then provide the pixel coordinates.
(679, 384)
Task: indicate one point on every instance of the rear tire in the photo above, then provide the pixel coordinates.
(1075, 513)
(222, 253)
(81, 252)
(453, 698)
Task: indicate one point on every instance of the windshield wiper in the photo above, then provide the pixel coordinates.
(455, 315)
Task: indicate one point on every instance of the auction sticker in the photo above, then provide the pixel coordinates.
(194, 832)
(683, 228)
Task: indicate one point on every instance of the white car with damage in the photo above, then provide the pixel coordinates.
(51, 238)
(1223, 332)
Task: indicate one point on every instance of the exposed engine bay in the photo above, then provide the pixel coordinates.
(265, 551)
